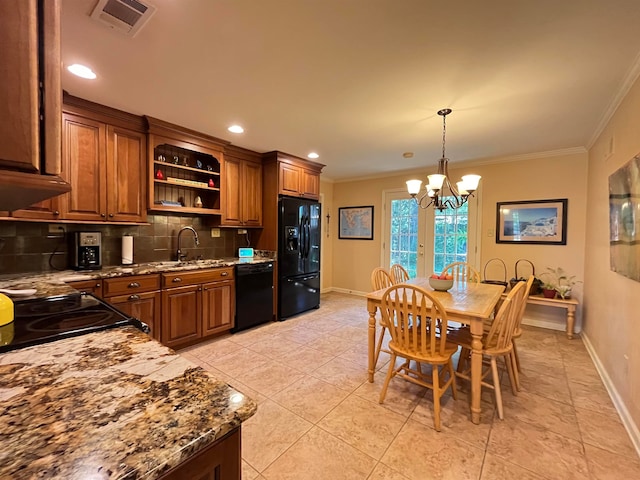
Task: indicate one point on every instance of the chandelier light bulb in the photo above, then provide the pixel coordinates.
(413, 186)
(436, 180)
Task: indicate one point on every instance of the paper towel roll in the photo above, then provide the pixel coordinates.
(127, 250)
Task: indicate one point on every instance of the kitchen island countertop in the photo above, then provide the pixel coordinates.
(108, 405)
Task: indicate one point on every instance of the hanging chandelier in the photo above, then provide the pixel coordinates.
(439, 192)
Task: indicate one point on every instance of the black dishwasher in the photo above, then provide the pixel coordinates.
(254, 294)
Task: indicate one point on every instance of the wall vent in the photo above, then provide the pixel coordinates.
(126, 16)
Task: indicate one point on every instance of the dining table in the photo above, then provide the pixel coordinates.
(467, 303)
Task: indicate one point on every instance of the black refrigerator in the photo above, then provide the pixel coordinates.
(298, 256)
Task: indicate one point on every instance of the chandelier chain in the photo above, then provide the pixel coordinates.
(444, 133)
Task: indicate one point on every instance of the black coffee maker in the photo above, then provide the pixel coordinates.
(86, 251)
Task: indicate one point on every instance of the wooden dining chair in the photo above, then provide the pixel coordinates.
(462, 272)
(380, 279)
(420, 341)
(398, 274)
(518, 331)
(497, 342)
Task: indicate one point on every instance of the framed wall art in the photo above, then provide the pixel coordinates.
(541, 222)
(355, 223)
(624, 219)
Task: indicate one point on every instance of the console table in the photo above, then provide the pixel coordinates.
(569, 304)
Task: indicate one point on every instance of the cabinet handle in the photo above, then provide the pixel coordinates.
(176, 280)
(111, 215)
(134, 285)
(200, 289)
(134, 297)
(56, 212)
(102, 215)
(97, 285)
(224, 274)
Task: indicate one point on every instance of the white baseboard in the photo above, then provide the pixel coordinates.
(533, 322)
(347, 291)
(627, 421)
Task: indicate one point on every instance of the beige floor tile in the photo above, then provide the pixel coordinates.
(301, 335)
(587, 375)
(249, 392)
(274, 347)
(605, 465)
(217, 349)
(531, 381)
(604, 431)
(249, 337)
(574, 359)
(306, 359)
(368, 427)
(555, 416)
(341, 373)
(324, 325)
(270, 378)
(495, 468)
(319, 455)
(538, 450)
(331, 344)
(402, 396)
(592, 397)
(421, 453)
(311, 398)
(269, 433)
(542, 362)
(382, 472)
(354, 334)
(248, 472)
(239, 362)
(455, 418)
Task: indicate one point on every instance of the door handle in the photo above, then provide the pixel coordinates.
(134, 297)
(176, 280)
(134, 285)
(224, 274)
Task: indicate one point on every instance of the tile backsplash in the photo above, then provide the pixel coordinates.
(29, 247)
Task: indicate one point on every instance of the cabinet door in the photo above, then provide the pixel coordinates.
(252, 194)
(126, 175)
(181, 315)
(217, 307)
(310, 184)
(289, 179)
(19, 123)
(143, 306)
(84, 158)
(233, 187)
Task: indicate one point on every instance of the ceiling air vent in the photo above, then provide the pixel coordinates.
(126, 16)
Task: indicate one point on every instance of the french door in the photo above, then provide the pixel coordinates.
(425, 240)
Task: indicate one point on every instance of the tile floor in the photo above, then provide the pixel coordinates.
(319, 418)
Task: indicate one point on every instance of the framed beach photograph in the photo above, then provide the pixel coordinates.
(355, 223)
(541, 222)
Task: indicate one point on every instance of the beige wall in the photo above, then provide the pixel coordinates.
(612, 316)
(540, 178)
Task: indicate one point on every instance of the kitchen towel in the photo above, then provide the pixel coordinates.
(127, 250)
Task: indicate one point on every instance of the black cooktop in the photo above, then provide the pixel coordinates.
(48, 319)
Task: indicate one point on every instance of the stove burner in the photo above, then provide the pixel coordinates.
(69, 321)
(44, 320)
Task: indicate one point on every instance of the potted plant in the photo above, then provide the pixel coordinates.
(548, 290)
(560, 281)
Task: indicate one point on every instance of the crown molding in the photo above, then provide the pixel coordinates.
(627, 83)
(472, 162)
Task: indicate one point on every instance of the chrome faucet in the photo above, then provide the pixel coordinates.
(180, 255)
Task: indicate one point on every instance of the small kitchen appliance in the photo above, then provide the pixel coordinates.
(86, 251)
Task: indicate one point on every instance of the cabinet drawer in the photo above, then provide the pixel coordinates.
(130, 285)
(179, 279)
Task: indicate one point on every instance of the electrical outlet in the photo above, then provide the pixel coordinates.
(56, 230)
(215, 232)
(242, 231)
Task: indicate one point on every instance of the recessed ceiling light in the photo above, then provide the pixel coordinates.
(235, 129)
(313, 155)
(81, 71)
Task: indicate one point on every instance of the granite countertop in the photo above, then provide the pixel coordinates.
(108, 405)
(54, 283)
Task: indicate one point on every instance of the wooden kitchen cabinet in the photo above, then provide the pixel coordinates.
(184, 166)
(31, 99)
(137, 296)
(296, 177)
(243, 188)
(196, 304)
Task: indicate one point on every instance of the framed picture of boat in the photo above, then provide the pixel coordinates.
(541, 222)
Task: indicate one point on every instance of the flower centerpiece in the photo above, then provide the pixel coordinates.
(559, 280)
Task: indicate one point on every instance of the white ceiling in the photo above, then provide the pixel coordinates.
(360, 81)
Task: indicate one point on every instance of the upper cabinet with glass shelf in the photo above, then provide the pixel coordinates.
(185, 170)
